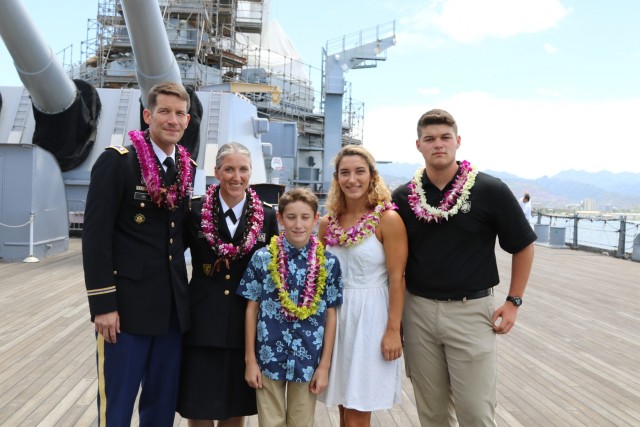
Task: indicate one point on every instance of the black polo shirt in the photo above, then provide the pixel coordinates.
(457, 256)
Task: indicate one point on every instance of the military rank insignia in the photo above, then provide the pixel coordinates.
(119, 148)
(207, 269)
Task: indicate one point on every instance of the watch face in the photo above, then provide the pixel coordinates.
(517, 301)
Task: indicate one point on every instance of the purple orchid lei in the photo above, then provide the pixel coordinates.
(169, 197)
(337, 236)
(210, 214)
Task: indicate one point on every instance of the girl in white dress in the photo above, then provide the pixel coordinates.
(369, 238)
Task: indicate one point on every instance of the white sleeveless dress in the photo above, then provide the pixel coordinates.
(359, 377)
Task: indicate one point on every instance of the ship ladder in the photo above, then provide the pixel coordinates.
(20, 119)
(213, 122)
(122, 115)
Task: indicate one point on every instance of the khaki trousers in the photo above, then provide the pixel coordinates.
(451, 358)
(285, 404)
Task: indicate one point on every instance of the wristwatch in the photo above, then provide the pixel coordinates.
(517, 301)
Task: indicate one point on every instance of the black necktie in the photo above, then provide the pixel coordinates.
(231, 215)
(170, 174)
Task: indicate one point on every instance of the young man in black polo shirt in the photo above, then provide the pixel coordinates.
(453, 214)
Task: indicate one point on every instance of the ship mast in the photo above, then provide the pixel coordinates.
(363, 49)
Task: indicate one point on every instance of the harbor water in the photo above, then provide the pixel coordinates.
(596, 232)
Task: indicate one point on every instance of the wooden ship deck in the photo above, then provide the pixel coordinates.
(572, 359)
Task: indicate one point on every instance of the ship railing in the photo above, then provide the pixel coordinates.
(611, 235)
(357, 39)
(30, 223)
(76, 215)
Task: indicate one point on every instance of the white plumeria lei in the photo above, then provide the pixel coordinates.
(453, 200)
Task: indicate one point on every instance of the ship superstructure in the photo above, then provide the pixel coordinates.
(233, 46)
(247, 83)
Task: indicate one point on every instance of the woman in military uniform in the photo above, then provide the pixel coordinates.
(226, 226)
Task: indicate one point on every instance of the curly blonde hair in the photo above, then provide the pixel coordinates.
(377, 191)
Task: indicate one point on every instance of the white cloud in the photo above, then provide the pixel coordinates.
(550, 48)
(409, 41)
(471, 21)
(528, 138)
(418, 28)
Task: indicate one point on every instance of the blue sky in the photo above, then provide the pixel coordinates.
(537, 86)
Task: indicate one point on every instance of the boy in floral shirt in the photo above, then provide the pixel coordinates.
(293, 287)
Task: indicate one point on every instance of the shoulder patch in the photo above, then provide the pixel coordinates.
(119, 148)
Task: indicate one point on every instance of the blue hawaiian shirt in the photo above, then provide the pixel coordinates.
(288, 350)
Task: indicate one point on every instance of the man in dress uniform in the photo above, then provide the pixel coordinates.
(133, 256)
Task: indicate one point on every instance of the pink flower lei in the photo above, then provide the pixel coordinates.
(337, 236)
(452, 201)
(151, 172)
(254, 215)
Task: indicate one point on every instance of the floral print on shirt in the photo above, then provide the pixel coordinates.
(287, 350)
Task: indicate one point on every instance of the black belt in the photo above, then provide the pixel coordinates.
(473, 295)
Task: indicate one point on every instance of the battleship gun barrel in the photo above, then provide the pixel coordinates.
(51, 90)
(155, 62)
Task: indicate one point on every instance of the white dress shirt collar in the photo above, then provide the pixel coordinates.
(161, 155)
(237, 210)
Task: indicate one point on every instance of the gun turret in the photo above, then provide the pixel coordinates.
(65, 111)
(155, 61)
(50, 88)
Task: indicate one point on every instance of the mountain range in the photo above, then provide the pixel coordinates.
(567, 189)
